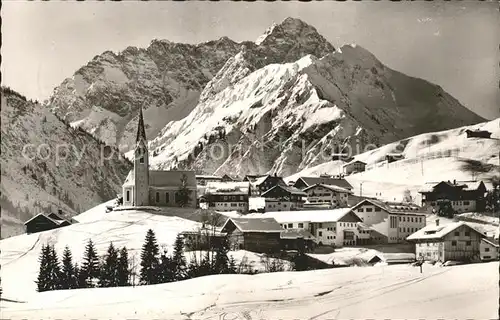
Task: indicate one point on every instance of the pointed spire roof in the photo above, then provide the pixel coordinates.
(141, 133)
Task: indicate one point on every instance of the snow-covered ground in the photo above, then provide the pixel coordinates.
(385, 292)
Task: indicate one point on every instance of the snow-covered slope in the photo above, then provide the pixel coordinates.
(436, 156)
(47, 182)
(385, 292)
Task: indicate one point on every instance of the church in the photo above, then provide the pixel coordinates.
(144, 187)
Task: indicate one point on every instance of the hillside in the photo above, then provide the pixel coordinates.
(46, 182)
(435, 156)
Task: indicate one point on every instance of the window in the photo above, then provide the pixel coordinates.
(225, 198)
(141, 160)
(167, 197)
(290, 225)
(468, 243)
(466, 203)
(360, 209)
(467, 233)
(457, 233)
(301, 225)
(369, 209)
(487, 257)
(454, 243)
(486, 249)
(320, 225)
(157, 197)
(399, 219)
(241, 197)
(377, 209)
(234, 204)
(320, 234)
(128, 195)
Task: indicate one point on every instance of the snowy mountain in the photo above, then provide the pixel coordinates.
(45, 182)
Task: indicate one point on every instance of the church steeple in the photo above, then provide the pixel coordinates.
(141, 133)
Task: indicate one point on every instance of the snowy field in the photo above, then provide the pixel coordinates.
(385, 292)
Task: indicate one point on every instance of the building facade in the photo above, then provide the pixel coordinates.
(391, 221)
(231, 200)
(488, 249)
(144, 187)
(464, 196)
(256, 235)
(455, 241)
(304, 182)
(338, 197)
(284, 198)
(354, 167)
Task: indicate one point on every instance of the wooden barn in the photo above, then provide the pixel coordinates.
(258, 234)
(204, 239)
(478, 134)
(297, 239)
(42, 222)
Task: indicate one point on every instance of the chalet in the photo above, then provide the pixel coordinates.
(144, 187)
(297, 239)
(201, 180)
(391, 221)
(338, 227)
(323, 193)
(264, 183)
(354, 166)
(284, 198)
(456, 241)
(42, 222)
(227, 178)
(488, 249)
(304, 182)
(202, 239)
(464, 196)
(234, 199)
(258, 235)
(478, 134)
(392, 157)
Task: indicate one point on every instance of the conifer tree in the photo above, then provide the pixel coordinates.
(68, 279)
(221, 264)
(232, 265)
(179, 261)
(89, 271)
(109, 270)
(166, 270)
(149, 259)
(43, 279)
(123, 273)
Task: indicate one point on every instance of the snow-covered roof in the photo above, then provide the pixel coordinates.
(53, 220)
(326, 180)
(330, 187)
(230, 185)
(437, 232)
(303, 215)
(129, 181)
(491, 242)
(353, 162)
(465, 185)
(291, 190)
(207, 177)
(392, 207)
(255, 225)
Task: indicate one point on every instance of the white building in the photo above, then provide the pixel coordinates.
(488, 249)
(321, 193)
(391, 221)
(337, 227)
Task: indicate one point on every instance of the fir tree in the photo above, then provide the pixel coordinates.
(232, 265)
(109, 270)
(68, 279)
(179, 261)
(221, 264)
(43, 279)
(166, 270)
(149, 259)
(89, 271)
(123, 273)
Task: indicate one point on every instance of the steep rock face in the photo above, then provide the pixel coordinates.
(34, 180)
(104, 96)
(286, 117)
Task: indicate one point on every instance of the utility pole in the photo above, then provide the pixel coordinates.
(361, 189)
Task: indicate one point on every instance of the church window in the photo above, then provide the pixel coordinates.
(167, 197)
(157, 197)
(128, 195)
(141, 159)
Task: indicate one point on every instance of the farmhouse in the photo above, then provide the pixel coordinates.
(264, 183)
(283, 198)
(297, 239)
(354, 166)
(257, 235)
(392, 157)
(463, 196)
(392, 221)
(304, 182)
(331, 194)
(488, 249)
(456, 241)
(338, 227)
(233, 199)
(144, 187)
(42, 222)
(202, 239)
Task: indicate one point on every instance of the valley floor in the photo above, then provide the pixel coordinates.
(384, 292)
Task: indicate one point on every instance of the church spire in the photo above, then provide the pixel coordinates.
(141, 133)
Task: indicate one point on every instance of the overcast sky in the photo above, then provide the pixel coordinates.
(453, 44)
